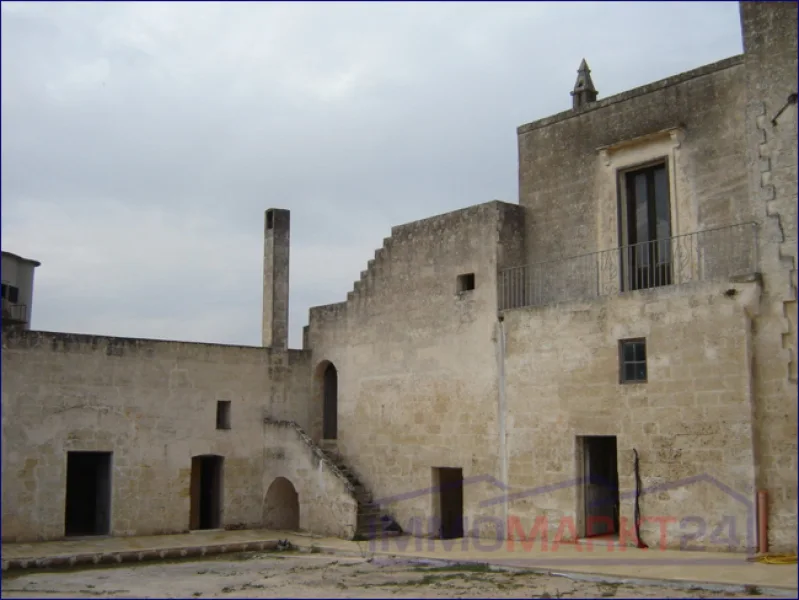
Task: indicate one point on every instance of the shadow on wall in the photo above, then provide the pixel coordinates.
(282, 506)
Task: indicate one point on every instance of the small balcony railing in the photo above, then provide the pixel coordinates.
(710, 255)
(14, 314)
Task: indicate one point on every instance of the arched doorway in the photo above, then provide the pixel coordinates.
(330, 403)
(282, 506)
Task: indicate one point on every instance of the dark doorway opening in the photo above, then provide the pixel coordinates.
(449, 482)
(206, 492)
(330, 401)
(601, 486)
(88, 502)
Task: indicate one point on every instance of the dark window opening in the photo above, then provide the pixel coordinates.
(646, 229)
(270, 219)
(632, 358)
(465, 282)
(10, 293)
(223, 414)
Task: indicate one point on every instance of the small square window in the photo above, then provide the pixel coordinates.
(465, 282)
(632, 359)
(13, 294)
(223, 414)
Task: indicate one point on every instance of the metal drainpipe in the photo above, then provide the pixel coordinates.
(503, 450)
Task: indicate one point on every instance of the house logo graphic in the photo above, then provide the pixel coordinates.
(549, 541)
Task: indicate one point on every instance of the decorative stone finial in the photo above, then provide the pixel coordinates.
(584, 91)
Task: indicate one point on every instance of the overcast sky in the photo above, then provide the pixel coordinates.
(142, 142)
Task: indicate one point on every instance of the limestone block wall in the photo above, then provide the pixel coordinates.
(691, 422)
(289, 394)
(569, 162)
(416, 358)
(326, 503)
(151, 403)
(770, 45)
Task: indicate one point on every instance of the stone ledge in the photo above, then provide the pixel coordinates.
(727, 63)
(126, 556)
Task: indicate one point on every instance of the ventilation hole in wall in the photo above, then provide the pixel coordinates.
(465, 282)
(270, 219)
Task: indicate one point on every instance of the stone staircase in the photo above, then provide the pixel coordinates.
(371, 521)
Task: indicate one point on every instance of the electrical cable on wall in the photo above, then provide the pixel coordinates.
(640, 543)
(792, 99)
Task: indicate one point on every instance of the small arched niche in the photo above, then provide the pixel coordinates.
(282, 506)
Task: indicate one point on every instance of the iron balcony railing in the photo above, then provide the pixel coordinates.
(707, 255)
(14, 313)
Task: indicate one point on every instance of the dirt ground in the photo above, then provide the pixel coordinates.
(312, 575)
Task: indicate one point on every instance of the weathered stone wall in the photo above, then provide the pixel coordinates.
(770, 45)
(416, 360)
(151, 403)
(326, 504)
(568, 162)
(691, 422)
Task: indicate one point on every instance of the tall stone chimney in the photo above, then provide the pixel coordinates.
(275, 327)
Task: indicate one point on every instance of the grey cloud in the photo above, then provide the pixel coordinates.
(143, 141)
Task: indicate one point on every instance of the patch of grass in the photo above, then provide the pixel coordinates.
(608, 589)
(508, 585)
(428, 579)
(147, 562)
(525, 573)
(253, 586)
(752, 590)
(457, 567)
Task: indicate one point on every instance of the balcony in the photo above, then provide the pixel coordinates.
(710, 255)
(14, 314)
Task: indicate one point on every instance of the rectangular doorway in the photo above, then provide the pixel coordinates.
(600, 485)
(88, 501)
(449, 484)
(206, 492)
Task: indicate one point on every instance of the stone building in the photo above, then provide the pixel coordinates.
(17, 289)
(619, 344)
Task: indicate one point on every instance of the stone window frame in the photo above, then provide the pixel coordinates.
(613, 162)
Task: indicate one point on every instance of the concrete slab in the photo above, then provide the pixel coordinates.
(705, 570)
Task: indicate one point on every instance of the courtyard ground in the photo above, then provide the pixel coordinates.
(311, 573)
